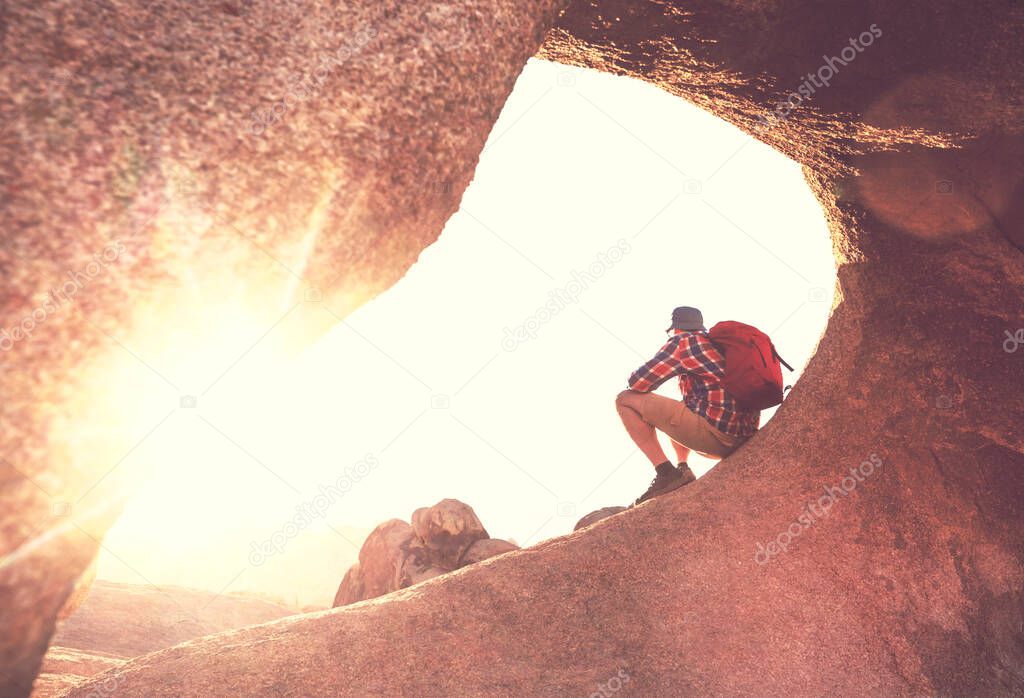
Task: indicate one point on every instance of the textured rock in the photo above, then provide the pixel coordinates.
(83, 585)
(485, 549)
(448, 528)
(415, 572)
(202, 166)
(351, 588)
(63, 667)
(383, 554)
(66, 660)
(128, 620)
(121, 621)
(912, 583)
(595, 516)
(396, 555)
(52, 685)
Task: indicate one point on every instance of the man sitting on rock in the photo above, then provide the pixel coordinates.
(707, 420)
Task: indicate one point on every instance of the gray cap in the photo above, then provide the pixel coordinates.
(686, 318)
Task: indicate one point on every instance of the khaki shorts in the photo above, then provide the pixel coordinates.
(686, 427)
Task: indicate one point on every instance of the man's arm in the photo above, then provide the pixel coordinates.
(663, 366)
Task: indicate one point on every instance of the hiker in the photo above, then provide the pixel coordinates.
(707, 420)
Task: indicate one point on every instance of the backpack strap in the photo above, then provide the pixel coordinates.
(781, 360)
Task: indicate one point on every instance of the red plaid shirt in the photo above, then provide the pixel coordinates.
(700, 367)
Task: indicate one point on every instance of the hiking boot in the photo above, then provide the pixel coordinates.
(662, 483)
(687, 474)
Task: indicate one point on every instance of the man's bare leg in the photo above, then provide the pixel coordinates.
(682, 452)
(642, 433)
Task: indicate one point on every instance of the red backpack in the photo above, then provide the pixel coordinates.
(753, 369)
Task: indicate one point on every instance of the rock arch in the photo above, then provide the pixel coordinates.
(912, 583)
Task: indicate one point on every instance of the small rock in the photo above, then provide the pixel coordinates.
(595, 516)
(484, 549)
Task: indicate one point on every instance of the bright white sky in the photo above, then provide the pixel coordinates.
(578, 163)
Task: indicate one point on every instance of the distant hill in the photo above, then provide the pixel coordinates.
(121, 621)
(126, 620)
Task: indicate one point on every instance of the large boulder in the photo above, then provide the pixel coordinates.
(392, 557)
(870, 539)
(442, 538)
(448, 528)
(172, 169)
(351, 588)
(383, 554)
(486, 549)
(908, 414)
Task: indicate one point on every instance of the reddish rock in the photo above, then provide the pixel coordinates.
(448, 528)
(80, 593)
(415, 572)
(595, 516)
(186, 167)
(120, 621)
(63, 667)
(396, 555)
(128, 620)
(53, 685)
(910, 585)
(67, 660)
(485, 549)
(351, 588)
(382, 556)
